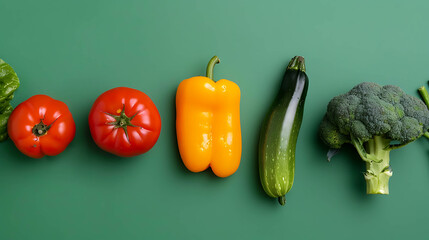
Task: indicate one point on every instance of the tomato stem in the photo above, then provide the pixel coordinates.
(41, 129)
(122, 121)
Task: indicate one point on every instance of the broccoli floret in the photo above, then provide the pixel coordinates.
(375, 120)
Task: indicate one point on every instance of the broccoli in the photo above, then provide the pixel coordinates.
(375, 120)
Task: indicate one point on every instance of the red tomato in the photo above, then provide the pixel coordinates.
(125, 122)
(41, 126)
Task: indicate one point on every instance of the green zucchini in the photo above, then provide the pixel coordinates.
(280, 130)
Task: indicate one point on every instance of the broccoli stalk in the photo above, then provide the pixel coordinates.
(425, 96)
(376, 155)
(371, 117)
(378, 172)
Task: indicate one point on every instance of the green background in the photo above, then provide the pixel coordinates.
(75, 50)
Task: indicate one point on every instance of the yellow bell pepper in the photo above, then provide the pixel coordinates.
(208, 123)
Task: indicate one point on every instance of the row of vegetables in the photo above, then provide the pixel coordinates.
(124, 121)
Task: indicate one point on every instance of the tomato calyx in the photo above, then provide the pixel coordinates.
(41, 128)
(122, 121)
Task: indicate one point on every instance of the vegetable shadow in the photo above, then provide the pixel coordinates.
(424, 144)
(256, 182)
(173, 136)
(355, 165)
(14, 156)
(259, 190)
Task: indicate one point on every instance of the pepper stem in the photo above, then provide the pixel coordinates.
(297, 63)
(210, 66)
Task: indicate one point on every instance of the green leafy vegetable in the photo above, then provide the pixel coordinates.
(375, 120)
(9, 82)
